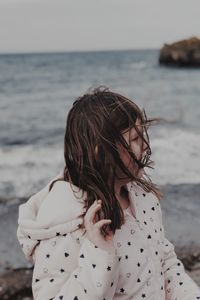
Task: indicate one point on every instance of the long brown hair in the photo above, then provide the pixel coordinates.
(96, 121)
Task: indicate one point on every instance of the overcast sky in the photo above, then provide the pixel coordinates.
(68, 25)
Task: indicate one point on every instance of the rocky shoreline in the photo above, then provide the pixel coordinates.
(15, 284)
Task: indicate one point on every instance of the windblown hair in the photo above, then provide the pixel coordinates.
(94, 128)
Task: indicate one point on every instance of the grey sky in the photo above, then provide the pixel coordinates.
(67, 25)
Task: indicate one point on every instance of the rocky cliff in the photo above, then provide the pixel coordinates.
(185, 53)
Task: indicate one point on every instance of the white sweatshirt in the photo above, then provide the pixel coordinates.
(68, 266)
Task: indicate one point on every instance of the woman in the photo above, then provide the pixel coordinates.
(95, 231)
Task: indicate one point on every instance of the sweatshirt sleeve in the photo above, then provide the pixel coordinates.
(178, 284)
(61, 271)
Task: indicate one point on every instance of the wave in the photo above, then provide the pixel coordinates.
(26, 168)
(176, 155)
(138, 65)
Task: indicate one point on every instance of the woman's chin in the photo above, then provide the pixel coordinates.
(141, 173)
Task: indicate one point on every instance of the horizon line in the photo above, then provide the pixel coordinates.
(73, 51)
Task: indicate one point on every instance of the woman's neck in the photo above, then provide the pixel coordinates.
(122, 196)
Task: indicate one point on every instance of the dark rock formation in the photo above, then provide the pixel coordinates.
(16, 284)
(185, 53)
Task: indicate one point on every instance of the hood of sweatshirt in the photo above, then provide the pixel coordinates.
(47, 214)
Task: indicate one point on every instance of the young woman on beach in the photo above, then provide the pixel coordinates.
(95, 231)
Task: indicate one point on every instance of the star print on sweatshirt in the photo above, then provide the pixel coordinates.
(67, 265)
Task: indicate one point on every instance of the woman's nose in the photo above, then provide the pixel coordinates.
(145, 146)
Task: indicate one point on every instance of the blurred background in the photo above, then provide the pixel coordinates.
(51, 52)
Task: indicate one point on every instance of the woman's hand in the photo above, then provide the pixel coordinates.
(93, 228)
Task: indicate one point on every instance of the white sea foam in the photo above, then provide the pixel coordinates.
(176, 154)
(27, 168)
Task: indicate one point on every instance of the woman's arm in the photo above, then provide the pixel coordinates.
(62, 271)
(178, 284)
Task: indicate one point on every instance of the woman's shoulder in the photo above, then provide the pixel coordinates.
(142, 198)
(61, 203)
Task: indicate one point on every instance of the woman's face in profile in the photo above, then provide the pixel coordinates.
(137, 146)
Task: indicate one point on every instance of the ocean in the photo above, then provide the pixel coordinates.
(37, 91)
